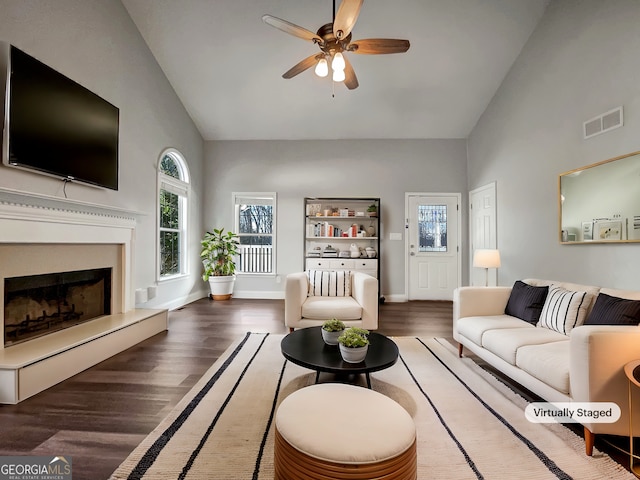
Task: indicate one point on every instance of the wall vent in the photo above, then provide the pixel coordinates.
(603, 123)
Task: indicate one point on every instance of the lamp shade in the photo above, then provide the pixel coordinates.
(486, 258)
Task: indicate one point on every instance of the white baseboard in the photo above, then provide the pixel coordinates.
(182, 301)
(401, 298)
(272, 295)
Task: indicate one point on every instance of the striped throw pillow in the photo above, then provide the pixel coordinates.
(564, 309)
(329, 283)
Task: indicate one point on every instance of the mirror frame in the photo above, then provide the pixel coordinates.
(560, 204)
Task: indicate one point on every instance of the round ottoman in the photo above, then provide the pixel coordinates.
(344, 432)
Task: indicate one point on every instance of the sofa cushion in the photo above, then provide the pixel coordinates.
(564, 309)
(323, 308)
(329, 283)
(505, 342)
(526, 301)
(610, 310)
(474, 327)
(547, 362)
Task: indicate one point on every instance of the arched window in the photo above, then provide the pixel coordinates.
(173, 196)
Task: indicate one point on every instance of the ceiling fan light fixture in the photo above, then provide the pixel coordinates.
(322, 68)
(333, 39)
(338, 62)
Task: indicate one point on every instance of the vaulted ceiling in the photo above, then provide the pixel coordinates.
(226, 65)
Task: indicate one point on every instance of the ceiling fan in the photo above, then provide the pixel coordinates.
(334, 39)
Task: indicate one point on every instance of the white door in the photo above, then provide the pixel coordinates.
(433, 223)
(482, 230)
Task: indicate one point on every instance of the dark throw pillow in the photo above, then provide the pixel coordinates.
(526, 301)
(610, 310)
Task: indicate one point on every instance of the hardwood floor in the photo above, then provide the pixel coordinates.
(100, 415)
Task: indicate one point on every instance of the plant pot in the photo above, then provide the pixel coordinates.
(353, 354)
(222, 287)
(331, 338)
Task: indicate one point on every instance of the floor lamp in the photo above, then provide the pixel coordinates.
(486, 258)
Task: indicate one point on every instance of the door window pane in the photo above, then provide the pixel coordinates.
(432, 228)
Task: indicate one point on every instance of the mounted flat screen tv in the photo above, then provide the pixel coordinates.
(56, 126)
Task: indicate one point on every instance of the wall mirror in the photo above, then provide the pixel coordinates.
(600, 203)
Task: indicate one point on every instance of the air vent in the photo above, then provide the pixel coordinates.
(603, 123)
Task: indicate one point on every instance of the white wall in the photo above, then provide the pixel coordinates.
(341, 168)
(582, 60)
(95, 43)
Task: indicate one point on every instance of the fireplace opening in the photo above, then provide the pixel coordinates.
(38, 305)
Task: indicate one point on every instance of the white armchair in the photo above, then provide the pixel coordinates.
(359, 309)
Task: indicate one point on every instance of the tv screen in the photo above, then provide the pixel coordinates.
(58, 127)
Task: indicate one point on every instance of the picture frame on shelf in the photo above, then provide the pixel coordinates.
(313, 209)
(608, 230)
(587, 231)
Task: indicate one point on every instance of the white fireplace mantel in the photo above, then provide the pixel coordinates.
(36, 219)
(37, 202)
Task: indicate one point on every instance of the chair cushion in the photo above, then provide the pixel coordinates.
(329, 283)
(506, 342)
(323, 308)
(526, 301)
(564, 309)
(610, 310)
(474, 327)
(548, 362)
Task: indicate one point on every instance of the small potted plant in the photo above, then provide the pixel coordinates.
(354, 343)
(372, 210)
(219, 250)
(331, 330)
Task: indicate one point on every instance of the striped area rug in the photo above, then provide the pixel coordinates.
(469, 425)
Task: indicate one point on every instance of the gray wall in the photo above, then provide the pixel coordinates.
(581, 61)
(340, 168)
(95, 43)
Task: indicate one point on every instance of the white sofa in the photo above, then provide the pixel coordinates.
(584, 365)
(305, 306)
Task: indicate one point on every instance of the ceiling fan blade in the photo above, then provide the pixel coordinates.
(302, 66)
(346, 17)
(378, 46)
(291, 28)
(350, 79)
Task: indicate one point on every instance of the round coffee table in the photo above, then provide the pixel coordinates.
(305, 347)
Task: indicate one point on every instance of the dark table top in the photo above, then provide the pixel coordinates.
(305, 347)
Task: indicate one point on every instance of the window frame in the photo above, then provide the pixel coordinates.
(182, 188)
(264, 196)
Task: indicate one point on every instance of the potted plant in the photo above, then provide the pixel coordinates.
(372, 210)
(354, 343)
(331, 330)
(219, 250)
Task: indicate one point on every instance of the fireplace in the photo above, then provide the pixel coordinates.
(44, 237)
(37, 305)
